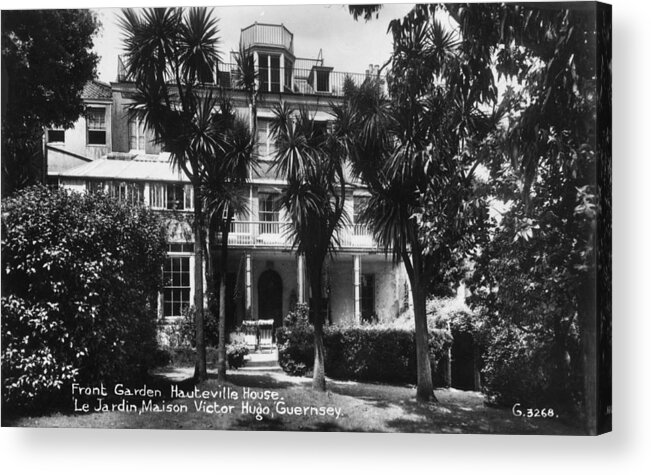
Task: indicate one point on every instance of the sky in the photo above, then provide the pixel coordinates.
(346, 44)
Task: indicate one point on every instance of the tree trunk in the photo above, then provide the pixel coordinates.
(424, 388)
(223, 264)
(318, 380)
(476, 365)
(200, 373)
(587, 312)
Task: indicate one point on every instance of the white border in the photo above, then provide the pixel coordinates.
(73, 451)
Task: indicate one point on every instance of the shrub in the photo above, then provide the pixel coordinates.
(81, 276)
(186, 356)
(363, 353)
(181, 333)
(236, 354)
(523, 367)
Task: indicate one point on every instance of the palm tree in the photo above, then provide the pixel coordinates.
(247, 80)
(311, 160)
(411, 150)
(223, 180)
(171, 55)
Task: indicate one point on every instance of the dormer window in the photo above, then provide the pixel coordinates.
(319, 78)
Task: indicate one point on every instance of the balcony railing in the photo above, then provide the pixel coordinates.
(317, 80)
(276, 234)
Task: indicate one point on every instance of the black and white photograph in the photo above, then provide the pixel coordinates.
(309, 218)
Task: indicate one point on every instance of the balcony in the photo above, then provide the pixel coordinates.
(276, 234)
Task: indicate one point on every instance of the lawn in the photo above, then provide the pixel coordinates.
(346, 406)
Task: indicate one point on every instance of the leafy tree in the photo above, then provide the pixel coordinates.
(80, 278)
(551, 146)
(47, 59)
(551, 51)
(311, 159)
(172, 56)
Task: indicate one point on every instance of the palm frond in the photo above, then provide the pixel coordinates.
(198, 53)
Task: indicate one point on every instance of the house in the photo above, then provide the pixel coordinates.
(265, 276)
(89, 138)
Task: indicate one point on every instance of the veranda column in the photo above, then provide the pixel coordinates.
(249, 296)
(300, 272)
(357, 282)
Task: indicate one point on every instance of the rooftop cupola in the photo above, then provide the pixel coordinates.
(264, 35)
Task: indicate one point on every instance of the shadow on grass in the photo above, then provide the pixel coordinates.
(264, 381)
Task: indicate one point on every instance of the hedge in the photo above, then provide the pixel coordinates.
(186, 356)
(360, 353)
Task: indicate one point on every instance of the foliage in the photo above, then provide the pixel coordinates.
(172, 56)
(32, 367)
(47, 58)
(81, 275)
(535, 282)
(297, 317)
(236, 354)
(185, 356)
(361, 353)
(415, 149)
(181, 332)
(311, 158)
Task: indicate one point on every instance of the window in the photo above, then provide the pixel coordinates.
(189, 196)
(269, 65)
(323, 81)
(96, 125)
(130, 192)
(174, 196)
(268, 212)
(95, 186)
(368, 298)
(176, 294)
(184, 247)
(289, 68)
(136, 134)
(265, 142)
(157, 198)
(56, 136)
(360, 203)
(175, 199)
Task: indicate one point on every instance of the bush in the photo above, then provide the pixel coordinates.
(181, 333)
(186, 356)
(81, 276)
(362, 353)
(236, 354)
(522, 367)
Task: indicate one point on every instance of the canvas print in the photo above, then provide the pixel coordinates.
(369, 218)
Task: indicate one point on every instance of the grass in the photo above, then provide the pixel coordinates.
(363, 407)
